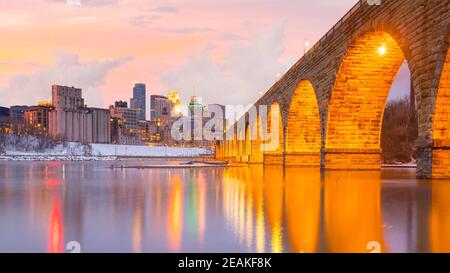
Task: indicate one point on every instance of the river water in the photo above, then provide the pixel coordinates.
(44, 206)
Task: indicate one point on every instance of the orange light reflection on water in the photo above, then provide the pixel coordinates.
(175, 214)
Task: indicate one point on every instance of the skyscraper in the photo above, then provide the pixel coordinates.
(4, 120)
(174, 97)
(72, 121)
(160, 108)
(138, 101)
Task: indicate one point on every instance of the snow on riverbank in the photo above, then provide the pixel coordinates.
(77, 152)
(146, 151)
(47, 157)
(33, 148)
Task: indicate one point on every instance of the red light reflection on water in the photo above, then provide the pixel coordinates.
(56, 231)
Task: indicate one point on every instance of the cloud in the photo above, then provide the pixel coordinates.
(66, 70)
(230, 37)
(166, 9)
(151, 15)
(246, 70)
(19, 64)
(144, 20)
(186, 30)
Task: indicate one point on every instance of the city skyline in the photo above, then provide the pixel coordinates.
(270, 127)
(240, 51)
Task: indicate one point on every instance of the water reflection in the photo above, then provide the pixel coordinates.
(273, 206)
(56, 225)
(43, 206)
(56, 234)
(440, 217)
(303, 209)
(353, 216)
(175, 214)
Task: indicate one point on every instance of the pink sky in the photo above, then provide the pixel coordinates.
(227, 51)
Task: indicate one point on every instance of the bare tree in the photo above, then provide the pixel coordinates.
(399, 132)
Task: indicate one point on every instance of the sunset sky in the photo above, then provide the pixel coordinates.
(227, 51)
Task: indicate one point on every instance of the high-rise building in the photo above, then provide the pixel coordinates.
(138, 101)
(174, 97)
(128, 117)
(46, 103)
(124, 124)
(73, 121)
(67, 98)
(121, 104)
(17, 114)
(17, 118)
(196, 119)
(148, 131)
(4, 111)
(4, 119)
(195, 107)
(160, 109)
(36, 118)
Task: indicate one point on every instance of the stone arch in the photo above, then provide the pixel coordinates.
(231, 145)
(358, 99)
(240, 143)
(441, 125)
(247, 143)
(226, 148)
(274, 144)
(219, 150)
(303, 133)
(226, 145)
(256, 152)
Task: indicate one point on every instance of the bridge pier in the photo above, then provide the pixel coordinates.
(352, 159)
(424, 160)
(303, 159)
(273, 159)
(243, 159)
(434, 160)
(441, 163)
(256, 159)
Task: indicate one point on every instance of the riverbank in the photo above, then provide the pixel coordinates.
(38, 157)
(70, 151)
(181, 165)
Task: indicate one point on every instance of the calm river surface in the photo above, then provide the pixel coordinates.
(45, 205)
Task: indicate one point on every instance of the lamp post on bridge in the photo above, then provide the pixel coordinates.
(306, 45)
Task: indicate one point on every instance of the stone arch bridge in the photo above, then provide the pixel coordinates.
(332, 100)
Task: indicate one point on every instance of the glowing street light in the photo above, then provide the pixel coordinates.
(382, 50)
(307, 43)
